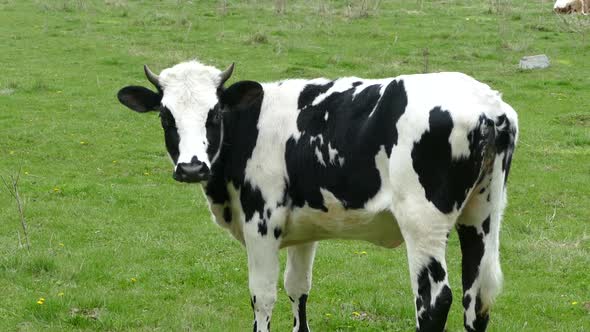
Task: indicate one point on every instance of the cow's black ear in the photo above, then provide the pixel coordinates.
(139, 99)
(241, 95)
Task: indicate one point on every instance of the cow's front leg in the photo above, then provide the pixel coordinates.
(298, 275)
(263, 271)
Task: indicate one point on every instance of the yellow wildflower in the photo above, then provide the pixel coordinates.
(60, 294)
(575, 302)
(133, 280)
(356, 313)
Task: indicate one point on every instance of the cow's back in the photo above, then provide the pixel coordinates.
(341, 152)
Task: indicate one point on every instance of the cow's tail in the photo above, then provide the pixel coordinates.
(498, 140)
(489, 148)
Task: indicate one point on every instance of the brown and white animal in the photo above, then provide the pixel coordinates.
(392, 160)
(572, 6)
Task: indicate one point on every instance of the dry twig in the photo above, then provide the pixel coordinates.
(11, 185)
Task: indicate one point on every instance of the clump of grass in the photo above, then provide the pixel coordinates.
(362, 9)
(40, 265)
(280, 6)
(39, 85)
(223, 7)
(575, 119)
(258, 37)
(499, 7)
(574, 23)
(323, 8)
(67, 6)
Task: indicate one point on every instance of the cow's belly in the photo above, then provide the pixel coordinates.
(306, 224)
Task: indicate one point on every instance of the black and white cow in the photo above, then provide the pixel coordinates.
(391, 160)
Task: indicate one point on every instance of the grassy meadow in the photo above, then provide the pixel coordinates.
(117, 245)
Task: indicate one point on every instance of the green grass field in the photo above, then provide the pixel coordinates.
(117, 245)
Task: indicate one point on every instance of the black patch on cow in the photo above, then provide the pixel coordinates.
(466, 301)
(505, 142)
(227, 214)
(481, 318)
(268, 213)
(213, 129)
(434, 317)
(488, 198)
(239, 107)
(277, 232)
(357, 127)
(472, 249)
(255, 329)
(482, 190)
(171, 137)
(447, 181)
(252, 201)
(436, 270)
(302, 313)
(486, 225)
(262, 228)
(357, 83)
(480, 323)
(291, 299)
(311, 92)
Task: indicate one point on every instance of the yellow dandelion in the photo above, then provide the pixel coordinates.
(133, 280)
(83, 143)
(356, 313)
(56, 190)
(61, 244)
(60, 294)
(328, 315)
(26, 173)
(575, 302)
(363, 252)
(41, 300)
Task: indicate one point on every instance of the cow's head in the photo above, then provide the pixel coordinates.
(187, 99)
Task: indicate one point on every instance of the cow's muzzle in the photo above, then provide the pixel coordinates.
(195, 171)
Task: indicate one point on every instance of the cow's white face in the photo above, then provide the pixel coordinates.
(187, 100)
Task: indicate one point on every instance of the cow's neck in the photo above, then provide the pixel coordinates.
(216, 187)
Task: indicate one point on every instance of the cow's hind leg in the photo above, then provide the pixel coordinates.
(298, 275)
(425, 233)
(478, 228)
